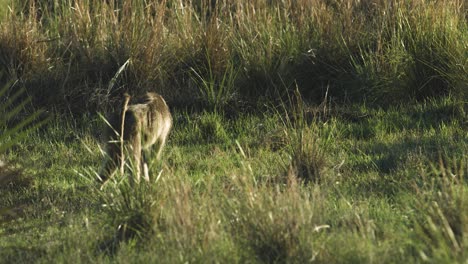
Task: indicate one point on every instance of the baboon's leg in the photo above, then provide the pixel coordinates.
(136, 149)
(146, 172)
(148, 156)
(161, 142)
(158, 149)
(146, 160)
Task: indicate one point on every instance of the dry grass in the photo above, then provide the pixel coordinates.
(69, 51)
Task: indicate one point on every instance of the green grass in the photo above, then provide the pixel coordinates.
(392, 188)
(304, 131)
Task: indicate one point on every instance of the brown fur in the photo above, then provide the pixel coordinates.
(146, 122)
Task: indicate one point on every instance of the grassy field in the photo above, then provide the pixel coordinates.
(304, 131)
(359, 185)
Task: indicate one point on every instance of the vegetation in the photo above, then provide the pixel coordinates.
(304, 131)
(224, 53)
(392, 186)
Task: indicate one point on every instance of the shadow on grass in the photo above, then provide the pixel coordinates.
(387, 169)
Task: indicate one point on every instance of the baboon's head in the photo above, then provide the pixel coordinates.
(152, 96)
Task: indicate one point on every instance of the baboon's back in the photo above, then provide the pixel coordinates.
(151, 118)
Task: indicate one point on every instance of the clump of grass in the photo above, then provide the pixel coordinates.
(306, 147)
(308, 159)
(204, 128)
(278, 225)
(128, 208)
(442, 226)
(217, 92)
(210, 128)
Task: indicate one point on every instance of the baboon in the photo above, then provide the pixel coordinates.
(134, 131)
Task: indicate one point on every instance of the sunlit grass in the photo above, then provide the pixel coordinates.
(396, 194)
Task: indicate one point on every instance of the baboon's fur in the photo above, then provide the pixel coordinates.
(146, 122)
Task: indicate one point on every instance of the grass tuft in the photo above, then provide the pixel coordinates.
(443, 228)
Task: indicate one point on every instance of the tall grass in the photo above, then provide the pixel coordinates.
(384, 51)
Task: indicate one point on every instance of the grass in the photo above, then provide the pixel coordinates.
(231, 54)
(392, 188)
(304, 131)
